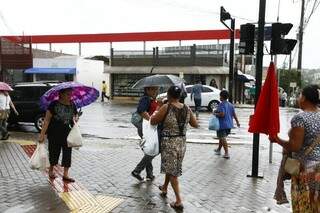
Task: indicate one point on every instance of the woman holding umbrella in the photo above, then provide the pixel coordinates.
(5, 104)
(61, 103)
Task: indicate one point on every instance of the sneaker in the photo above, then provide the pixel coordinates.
(150, 178)
(226, 156)
(217, 151)
(137, 176)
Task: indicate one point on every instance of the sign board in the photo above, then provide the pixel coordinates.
(293, 84)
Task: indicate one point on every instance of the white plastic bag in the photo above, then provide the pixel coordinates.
(39, 160)
(150, 135)
(74, 138)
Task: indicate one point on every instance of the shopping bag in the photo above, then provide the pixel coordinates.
(136, 119)
(39, 160)
(150, 136)
(74, 138)
(214, 123)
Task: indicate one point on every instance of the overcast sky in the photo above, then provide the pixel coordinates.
(106, 16)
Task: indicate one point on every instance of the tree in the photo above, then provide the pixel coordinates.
(287, 76)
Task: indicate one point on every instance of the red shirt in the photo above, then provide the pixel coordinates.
(153, 107)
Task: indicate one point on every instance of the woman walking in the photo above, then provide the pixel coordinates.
(5, 105)
(59, 119)
(174, 117)
(304, 142)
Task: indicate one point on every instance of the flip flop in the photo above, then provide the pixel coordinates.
(175, 206)
(68, 179)
(162, 193)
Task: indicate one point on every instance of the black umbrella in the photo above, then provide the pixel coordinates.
(158, 81)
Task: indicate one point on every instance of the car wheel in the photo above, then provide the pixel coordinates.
(39, 121)
(213, 105)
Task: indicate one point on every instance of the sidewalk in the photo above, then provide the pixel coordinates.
(209, 183)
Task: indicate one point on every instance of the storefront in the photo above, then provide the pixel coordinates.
(123, 78)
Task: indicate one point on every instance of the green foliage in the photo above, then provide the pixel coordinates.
(288, 76)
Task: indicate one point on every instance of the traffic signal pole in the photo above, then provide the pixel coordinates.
(300, 36)
(231, 63)
(259, 67)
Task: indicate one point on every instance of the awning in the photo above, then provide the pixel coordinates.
(245, 77)
(37, 70)
(167, 70)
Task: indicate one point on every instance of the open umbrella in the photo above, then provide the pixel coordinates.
(158, 81)
(5, 87)
(81, 95)
(266, 116)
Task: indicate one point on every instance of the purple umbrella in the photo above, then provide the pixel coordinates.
(81, 95)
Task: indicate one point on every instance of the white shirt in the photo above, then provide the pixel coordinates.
(4, 102)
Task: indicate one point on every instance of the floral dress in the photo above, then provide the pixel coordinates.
(305, 188)
(173, 140)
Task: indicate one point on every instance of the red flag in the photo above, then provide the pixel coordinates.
(266, 116)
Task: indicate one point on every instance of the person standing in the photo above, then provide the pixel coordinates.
(225, 113)
(174, 117)
(5, 104)
(284, 97)
(104, 91)
(196, 91)
(213, 83)
(146, 107)
(304, 142)
(59, 119)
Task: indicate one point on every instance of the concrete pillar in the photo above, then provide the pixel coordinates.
(144, 47)
(79, 49)
(50, 47)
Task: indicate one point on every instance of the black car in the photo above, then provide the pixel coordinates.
(26, 98)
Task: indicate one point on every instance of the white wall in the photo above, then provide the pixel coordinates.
(90, 72)
(59, 62)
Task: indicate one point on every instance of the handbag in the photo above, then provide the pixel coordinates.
(136, 119)
(293, 166)
(74, 138)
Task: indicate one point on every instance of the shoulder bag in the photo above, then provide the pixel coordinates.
(293, 166)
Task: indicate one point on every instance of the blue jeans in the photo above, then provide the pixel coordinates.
(197, 104)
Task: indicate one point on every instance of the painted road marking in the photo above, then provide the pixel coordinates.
(76, 197)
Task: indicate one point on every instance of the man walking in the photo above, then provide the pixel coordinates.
(196, 96)
(104, 91)
(147, 106)
(225, 113)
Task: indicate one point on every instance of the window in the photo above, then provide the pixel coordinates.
(25, 94)
(122, 85)
(206, 89)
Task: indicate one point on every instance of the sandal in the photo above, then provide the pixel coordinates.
(68, 179)
(176, 206)
(162, 193)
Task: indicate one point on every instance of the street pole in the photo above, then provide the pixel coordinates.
(231, 62)
(278, 71)
(300, 36)
(259, 67)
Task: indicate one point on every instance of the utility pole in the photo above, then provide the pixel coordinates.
(224, 15)
(300, 35)
(259, 64)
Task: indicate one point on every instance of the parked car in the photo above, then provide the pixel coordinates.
(26, 98)
(210, 97)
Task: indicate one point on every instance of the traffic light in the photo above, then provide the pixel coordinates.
(246, 45)
(224, 15)
(279, 45)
